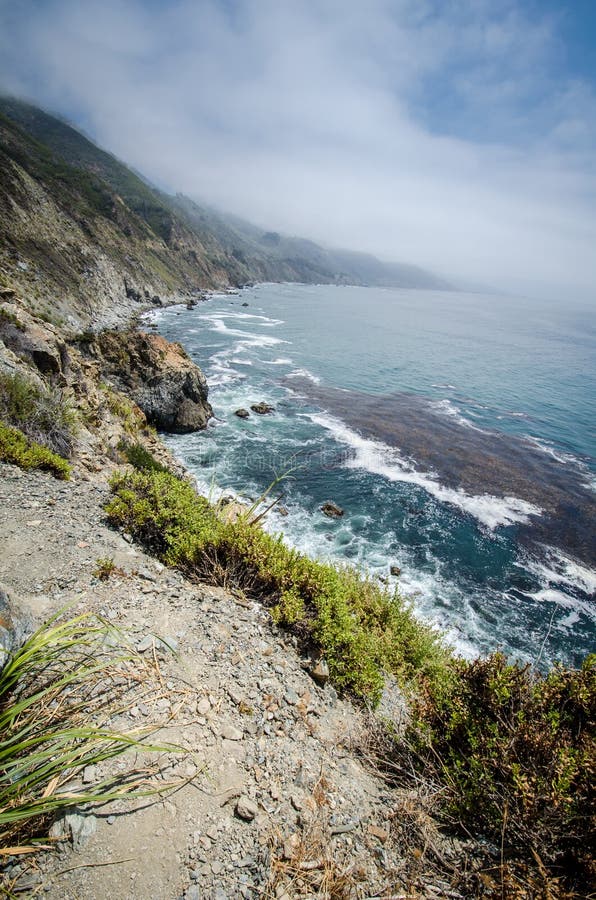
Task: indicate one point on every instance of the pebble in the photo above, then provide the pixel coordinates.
(246, 809)
(230, 732)
(203, 706)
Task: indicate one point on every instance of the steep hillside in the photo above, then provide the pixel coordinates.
(81, 232)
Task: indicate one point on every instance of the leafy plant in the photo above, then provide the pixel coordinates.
(139, 457)
(124, 409)
(104, 567)
(19, 450)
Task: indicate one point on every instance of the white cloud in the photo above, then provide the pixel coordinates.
(442, 134)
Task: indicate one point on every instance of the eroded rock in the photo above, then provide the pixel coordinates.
(159, 376)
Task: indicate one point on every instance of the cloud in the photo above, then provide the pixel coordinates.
(449, 134)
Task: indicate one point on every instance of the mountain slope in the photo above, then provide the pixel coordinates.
(80, 231)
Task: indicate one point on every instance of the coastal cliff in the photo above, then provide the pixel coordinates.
(240, 675)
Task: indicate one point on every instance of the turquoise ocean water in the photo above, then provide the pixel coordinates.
(455, 430)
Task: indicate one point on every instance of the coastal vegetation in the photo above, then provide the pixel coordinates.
(360, 628)
(41, 413)
(18, 449)
(510, 754)
(513, 756)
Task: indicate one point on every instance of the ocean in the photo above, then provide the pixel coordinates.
(455, 430)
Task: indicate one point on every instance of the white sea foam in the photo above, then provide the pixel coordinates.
(280, 361)
(265, 321)
(552, 451)
(380, 459)
(304, 373)
(248, 339)
(559, 569)
(447, 408)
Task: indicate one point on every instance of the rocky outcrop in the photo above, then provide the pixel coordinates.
(158, 375)
(262, 408)
(332, 510)
(39, 345)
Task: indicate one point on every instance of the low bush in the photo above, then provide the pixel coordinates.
(42, 414)
(19, 450)
(361, 628)
(104, 567)
(514, 754)
(9, 318)
(139, 457)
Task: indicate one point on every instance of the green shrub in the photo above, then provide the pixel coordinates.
(19, 450)
(515, 756)
(362, 630)
(139, 457)
(43, 414)
(104, 567)
(8, 318)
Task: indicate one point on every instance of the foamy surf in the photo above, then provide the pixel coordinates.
(380, 459)
(447, 408)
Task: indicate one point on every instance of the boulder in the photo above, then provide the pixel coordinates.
(158, 375)
(332, 510)
(395, 570)
(242, 413)
(35, 344)
(262, 408)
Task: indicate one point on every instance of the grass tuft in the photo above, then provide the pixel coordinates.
(58, 694)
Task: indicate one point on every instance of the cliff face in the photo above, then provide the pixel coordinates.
(87, 241)
(159, 376)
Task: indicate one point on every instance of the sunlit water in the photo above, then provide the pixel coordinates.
(455, 430)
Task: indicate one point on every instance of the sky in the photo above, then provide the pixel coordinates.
(458, 135)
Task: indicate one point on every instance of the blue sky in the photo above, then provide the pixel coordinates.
(456, 134)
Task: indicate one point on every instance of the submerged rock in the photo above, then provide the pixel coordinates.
(332, 510)
(262, 408)
(159, 376)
